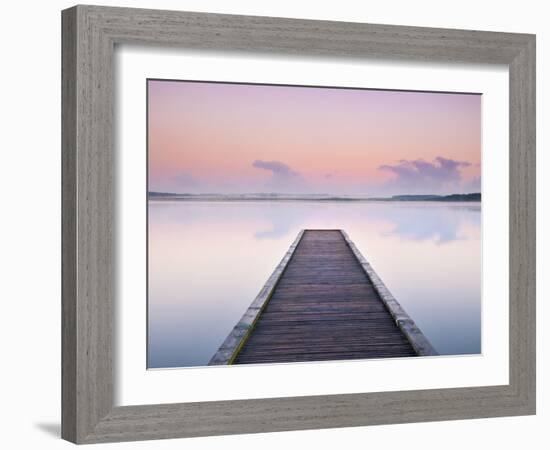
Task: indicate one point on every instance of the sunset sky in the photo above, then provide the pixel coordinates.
(239, 138)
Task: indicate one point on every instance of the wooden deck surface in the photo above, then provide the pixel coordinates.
(324, 307)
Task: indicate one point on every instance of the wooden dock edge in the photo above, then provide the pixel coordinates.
(409, 328)
(230, 348)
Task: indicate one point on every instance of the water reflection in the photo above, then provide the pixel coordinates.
(424, 223)
(418, 221)
(208, 260)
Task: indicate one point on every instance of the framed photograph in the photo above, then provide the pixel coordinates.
(278, 224)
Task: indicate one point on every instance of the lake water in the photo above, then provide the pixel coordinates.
(208, 260)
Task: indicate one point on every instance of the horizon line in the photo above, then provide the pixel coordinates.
(310, 194)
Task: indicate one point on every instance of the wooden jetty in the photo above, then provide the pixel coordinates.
(323, 302)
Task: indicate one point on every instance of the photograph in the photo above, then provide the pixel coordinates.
(290, 224)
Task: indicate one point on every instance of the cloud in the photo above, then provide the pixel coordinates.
(283, 178)
(277, 168)
(421, 176)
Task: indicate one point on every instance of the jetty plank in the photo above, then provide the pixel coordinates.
(327, 304)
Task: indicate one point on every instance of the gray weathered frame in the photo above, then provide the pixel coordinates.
(89, 36)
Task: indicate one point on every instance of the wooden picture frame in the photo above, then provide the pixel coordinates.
(90, 34)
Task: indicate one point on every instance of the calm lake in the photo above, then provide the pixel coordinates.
(209, 259)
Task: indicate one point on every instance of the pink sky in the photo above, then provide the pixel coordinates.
(242, 138)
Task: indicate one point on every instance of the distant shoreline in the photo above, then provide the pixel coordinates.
(162, 196)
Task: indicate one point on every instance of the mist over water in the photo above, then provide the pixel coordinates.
(208, 260)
